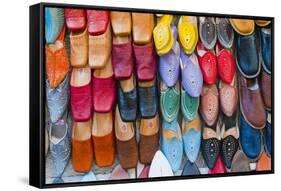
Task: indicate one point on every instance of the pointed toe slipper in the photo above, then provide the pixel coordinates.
(219, 167)
(54, 22)
(119, 173)
(190, 169)
(225, 32)
(160, 166)
(264, 163)
(240, 162)
(208, 32)
(75, 19)
(189, 105)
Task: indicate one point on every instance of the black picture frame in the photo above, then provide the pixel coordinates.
(37, 95)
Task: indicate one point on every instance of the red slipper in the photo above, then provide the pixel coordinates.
(75, 19)
(122, 60)
(219, 167)
(145, 62)
(208, 64)
(97, 21)
(104, 93)
(226, 64)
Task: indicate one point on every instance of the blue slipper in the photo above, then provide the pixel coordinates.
(54, 21)
(171, 143)
(191, 135)
(268, 138)
(265, 48)
(190, 169)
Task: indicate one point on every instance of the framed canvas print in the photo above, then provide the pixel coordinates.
(121, 95)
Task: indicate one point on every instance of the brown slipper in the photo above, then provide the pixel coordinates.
(100, 49)
(143, 24)
(149, 139)
(79, 48)
(82, 150)
(126, 143)
(121, 23)
(103, 139)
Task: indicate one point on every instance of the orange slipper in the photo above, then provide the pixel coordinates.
(243, 26)
(264, 163)
(82, 150)
(121, 23)
(143, 25)
(79, 48)
(57, 65)
(103, 139)
(262, 23)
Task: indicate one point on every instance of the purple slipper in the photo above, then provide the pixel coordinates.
(192, 79)
(169, 63)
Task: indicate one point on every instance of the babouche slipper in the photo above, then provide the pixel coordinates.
(190, 169)
(225, 32)
(208, 32)
(267, 144)
(143, 172)
(75, 19)
(119, 173)
(265, 48)
(143, 24)
(219, 167)
(240, 162)
(98, 21)
(121, 23)
(262, 23)
(189, 105)
(243, 26)
(160, 166)
(264, 163)
(79, 48)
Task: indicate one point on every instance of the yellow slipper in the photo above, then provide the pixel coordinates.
(243, 26)
(262, 23)
(163, 36)
(188, 33)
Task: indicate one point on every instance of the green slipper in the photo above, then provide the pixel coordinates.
(189, 105)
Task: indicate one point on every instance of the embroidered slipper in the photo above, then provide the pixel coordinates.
(169, 101)
(262, 23)
(100, 49)
(219, 167)
(54, 22)
(191, 135)
(149, 139)
(225, 32)
(121, 23)
(192, 79)
(160, 166)
(98, 22)
(79, 48)
(103, 139)
(228, 94)
(264, 163)
(209, 104)
(229, 139)
(119, 173)
(145, 58)
(226, 64)
(163, 35)
(188, 33)
(75, 19)
(169, 64)
(190, 169)
(82, 149)
(208, 64)
(122, 57)
(57, 99)
(57, 64)
(267, 144)
(171, 143)
(126, 143)
(243, 26)
(265, 48)
(240, 163)
(143, 24)
(81, 94)
(189, 105)
(208, 32)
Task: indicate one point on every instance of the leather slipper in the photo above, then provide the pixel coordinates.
(75, 19)
(121, 23)
(100, 48)
(188, 33)
(57, 64)
(240, 163)
(149, 139)
(268, 127)
(82, 149)
(103, 139)
(143, 24)
(264, 163)
(265, 48)
(190, 169)
(119, 173)
(262, 23)
(54, 22)
(79, 48)
(208, 64)
(160, 166)
(225, 32)
(81, 94)
(126, 143)
(122, 57)
(208, 32)
(243, 26)
(145, 58)
(219, 167)
(189, 105)
(191, 135)
(171, 143)
(169, 101)
(163, 35)
(144, 173)
(98, 21)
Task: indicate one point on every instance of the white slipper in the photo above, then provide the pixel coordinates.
(160, 166)
(90, 176)
(119, 173)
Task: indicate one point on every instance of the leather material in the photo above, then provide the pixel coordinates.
(98, 21)
(81, 102)
(145, 61)
(268, 138)
(148, 101)
(248, 62)
(79, 49)
(189, 105)
(210, 151)
(122, 60)
(208, 64)
(121, 23)
(143, 24)
(264, 163)
(190, 169)
(240, 162)
(225, 32)
(265, 84)
(229, 147)
(127, 102)
(243, 26)
(208, 32)
(209, 104)
(251, 104)
(54, 22)
(75, 19)
(250, 139)
(265, 48)
(262, 23)
(219, 167)
(148, 145)
(104, 93)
